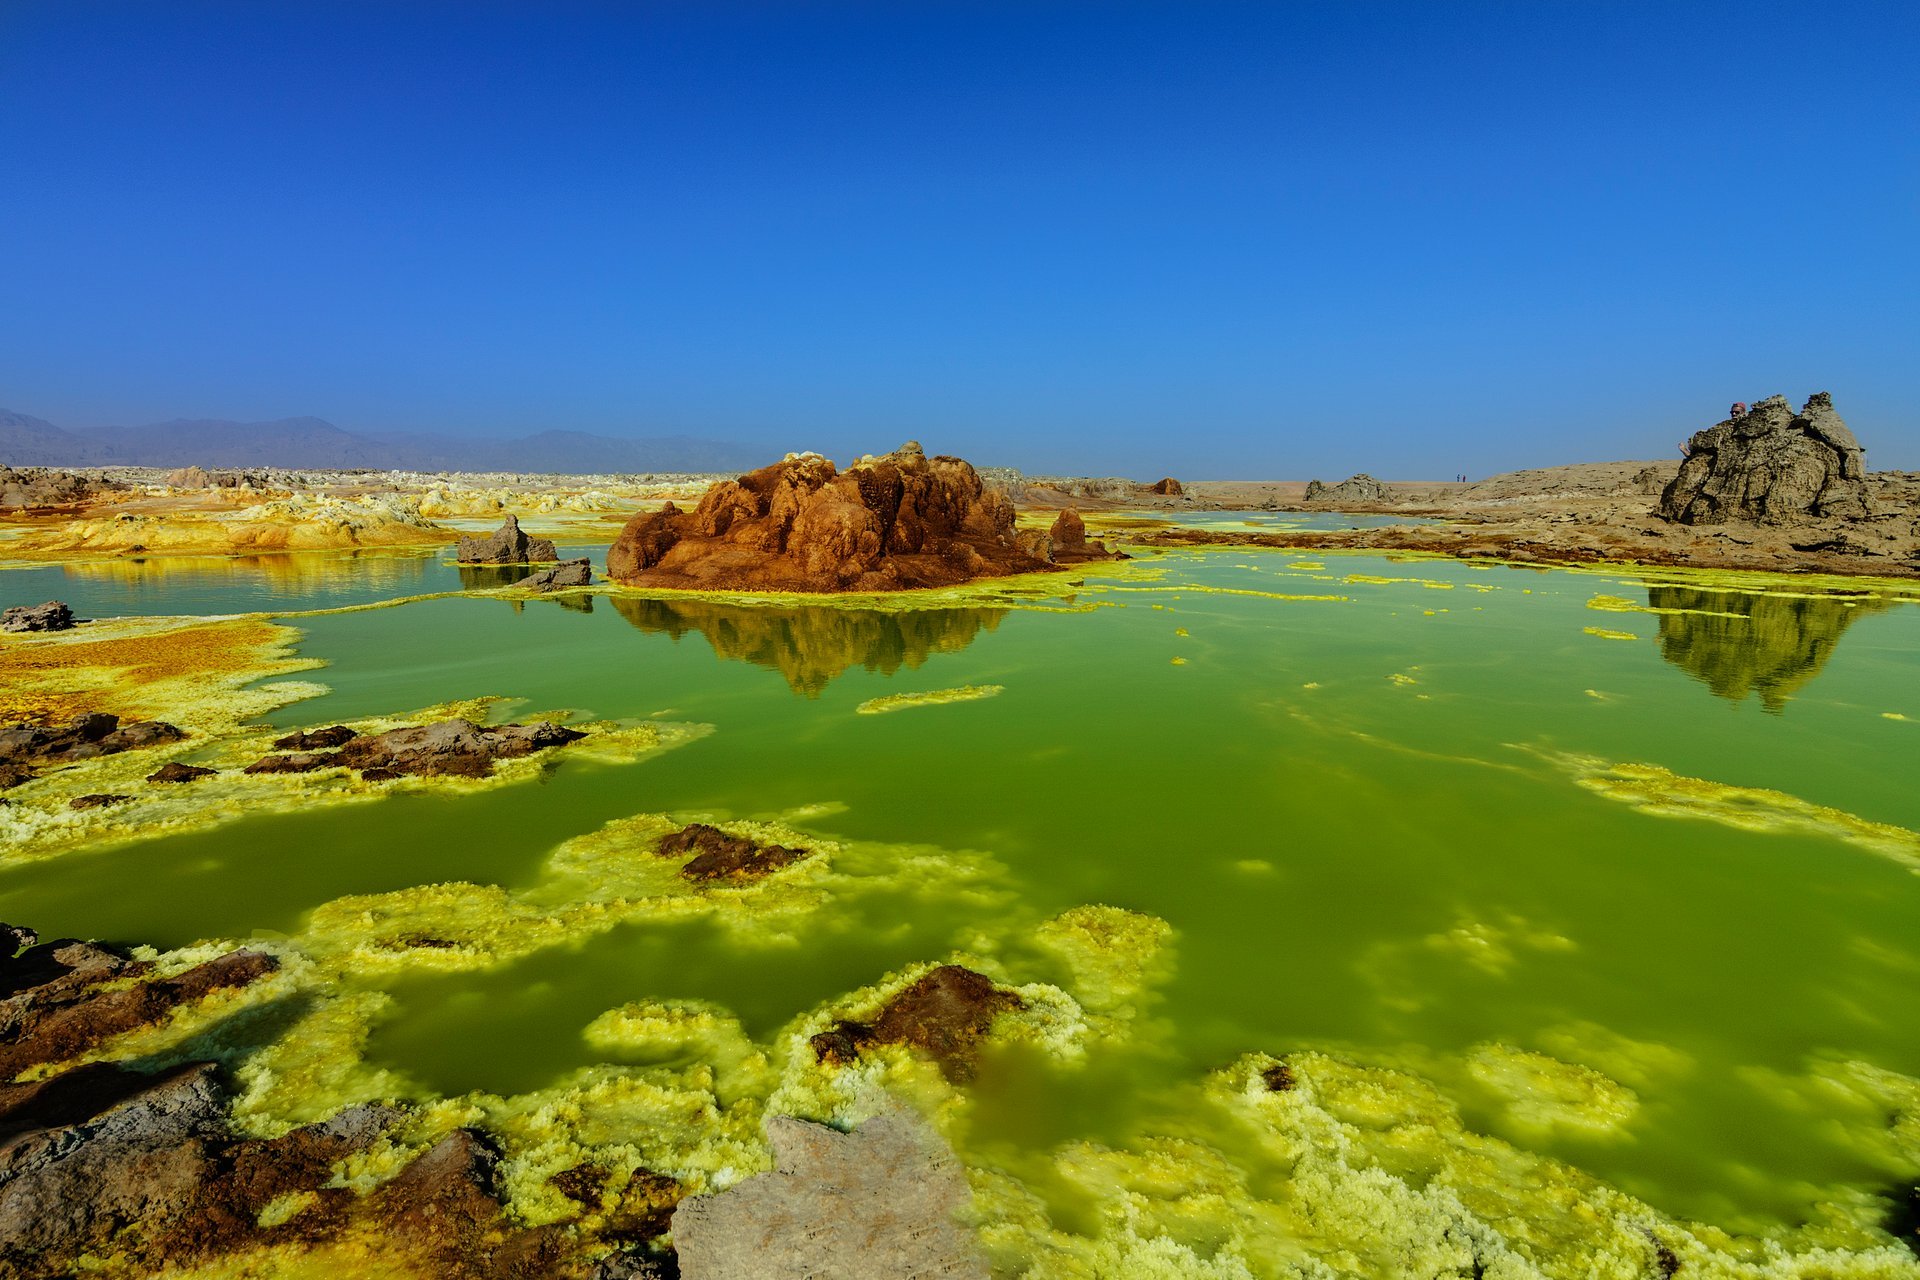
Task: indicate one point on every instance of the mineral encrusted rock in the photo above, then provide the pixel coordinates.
(1068, 541)
(1168, 488)
(568, 573)
(721, 856)
(1771, 466)
(454, 748)
(174, 771)
(23, 747)
(945, 1014)
(51, 616)
(506, 545)
(1356, 488)
(885, 524)
(878, 1203)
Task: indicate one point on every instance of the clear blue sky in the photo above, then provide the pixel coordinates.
(1188, 238)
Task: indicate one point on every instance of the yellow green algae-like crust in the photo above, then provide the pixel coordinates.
(1344, 1169)
(931, 698)
(1653, 789)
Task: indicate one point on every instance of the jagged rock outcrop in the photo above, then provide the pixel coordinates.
(33, 487)
(23, 747)
(720, 855)
(1168, 488)
(1068, 541)
(881, 1202)
(1771, 465)
(885, 524)
(505, 545)
(1360, 487)
(51, 616)
(568, 573)
(446, 748)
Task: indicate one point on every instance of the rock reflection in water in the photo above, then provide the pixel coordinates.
(1771, 646)
(484, 577)
(811, 644)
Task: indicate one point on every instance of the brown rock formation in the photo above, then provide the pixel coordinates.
(1168, 488)
(24, 746)
(37, 487)
(721, 856)
(174, 771)
(1771, 466)
(885, 524)
(568, 573)
(456, 748)
(51, 616)
(945, 1014)
(506, 545)
(1068, 539)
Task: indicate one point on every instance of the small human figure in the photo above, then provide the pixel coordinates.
(1738, 411)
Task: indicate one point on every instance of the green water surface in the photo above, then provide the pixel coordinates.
(1358, 815)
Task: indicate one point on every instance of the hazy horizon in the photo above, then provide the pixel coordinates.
(1202, 240)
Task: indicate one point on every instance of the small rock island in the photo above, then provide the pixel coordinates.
(892, 523)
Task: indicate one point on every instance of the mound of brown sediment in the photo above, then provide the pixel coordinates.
(884, 524)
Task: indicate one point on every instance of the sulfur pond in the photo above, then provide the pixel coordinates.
(1358, 905)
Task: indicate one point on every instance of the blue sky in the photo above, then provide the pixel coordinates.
(1267, 240)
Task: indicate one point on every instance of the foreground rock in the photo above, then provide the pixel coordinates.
(1069, 544)
(447, 748)
(147, 1173)
(506, 545)
(51, 616)
(885, 524)
(568, 573)
(1771, 466)
(1356, 488)
(878, 1203)
(945, 1014)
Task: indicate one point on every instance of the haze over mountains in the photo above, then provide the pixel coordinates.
(26, 441)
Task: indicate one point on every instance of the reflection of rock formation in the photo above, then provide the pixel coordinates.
(811, 644)
(1770, 646)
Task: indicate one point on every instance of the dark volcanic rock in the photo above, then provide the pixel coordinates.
(51, 616)
(946, 1014)
(506, 545)
(174, 771)
(885, 524)
(296, 762)
(452, 747)
(316, 740)
(719, 856)
(66, 1016)
(879, 1203)
(24, 745)
(98, 800)
(1771, 466)
(141, 1161)
(568, 573)
(1355, 488)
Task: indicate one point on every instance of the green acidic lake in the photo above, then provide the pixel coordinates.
(1382, 823)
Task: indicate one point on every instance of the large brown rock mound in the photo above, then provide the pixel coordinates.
(884, 524)
(1771, 465)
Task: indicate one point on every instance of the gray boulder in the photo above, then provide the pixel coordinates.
(568, 573)
(1356, 488)
(51, 616)
(506, 545)
(1771, 466)
(880, 1202)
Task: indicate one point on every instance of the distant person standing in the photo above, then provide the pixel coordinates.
(1738, 411)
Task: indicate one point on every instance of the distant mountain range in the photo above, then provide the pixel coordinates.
(315, 443)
